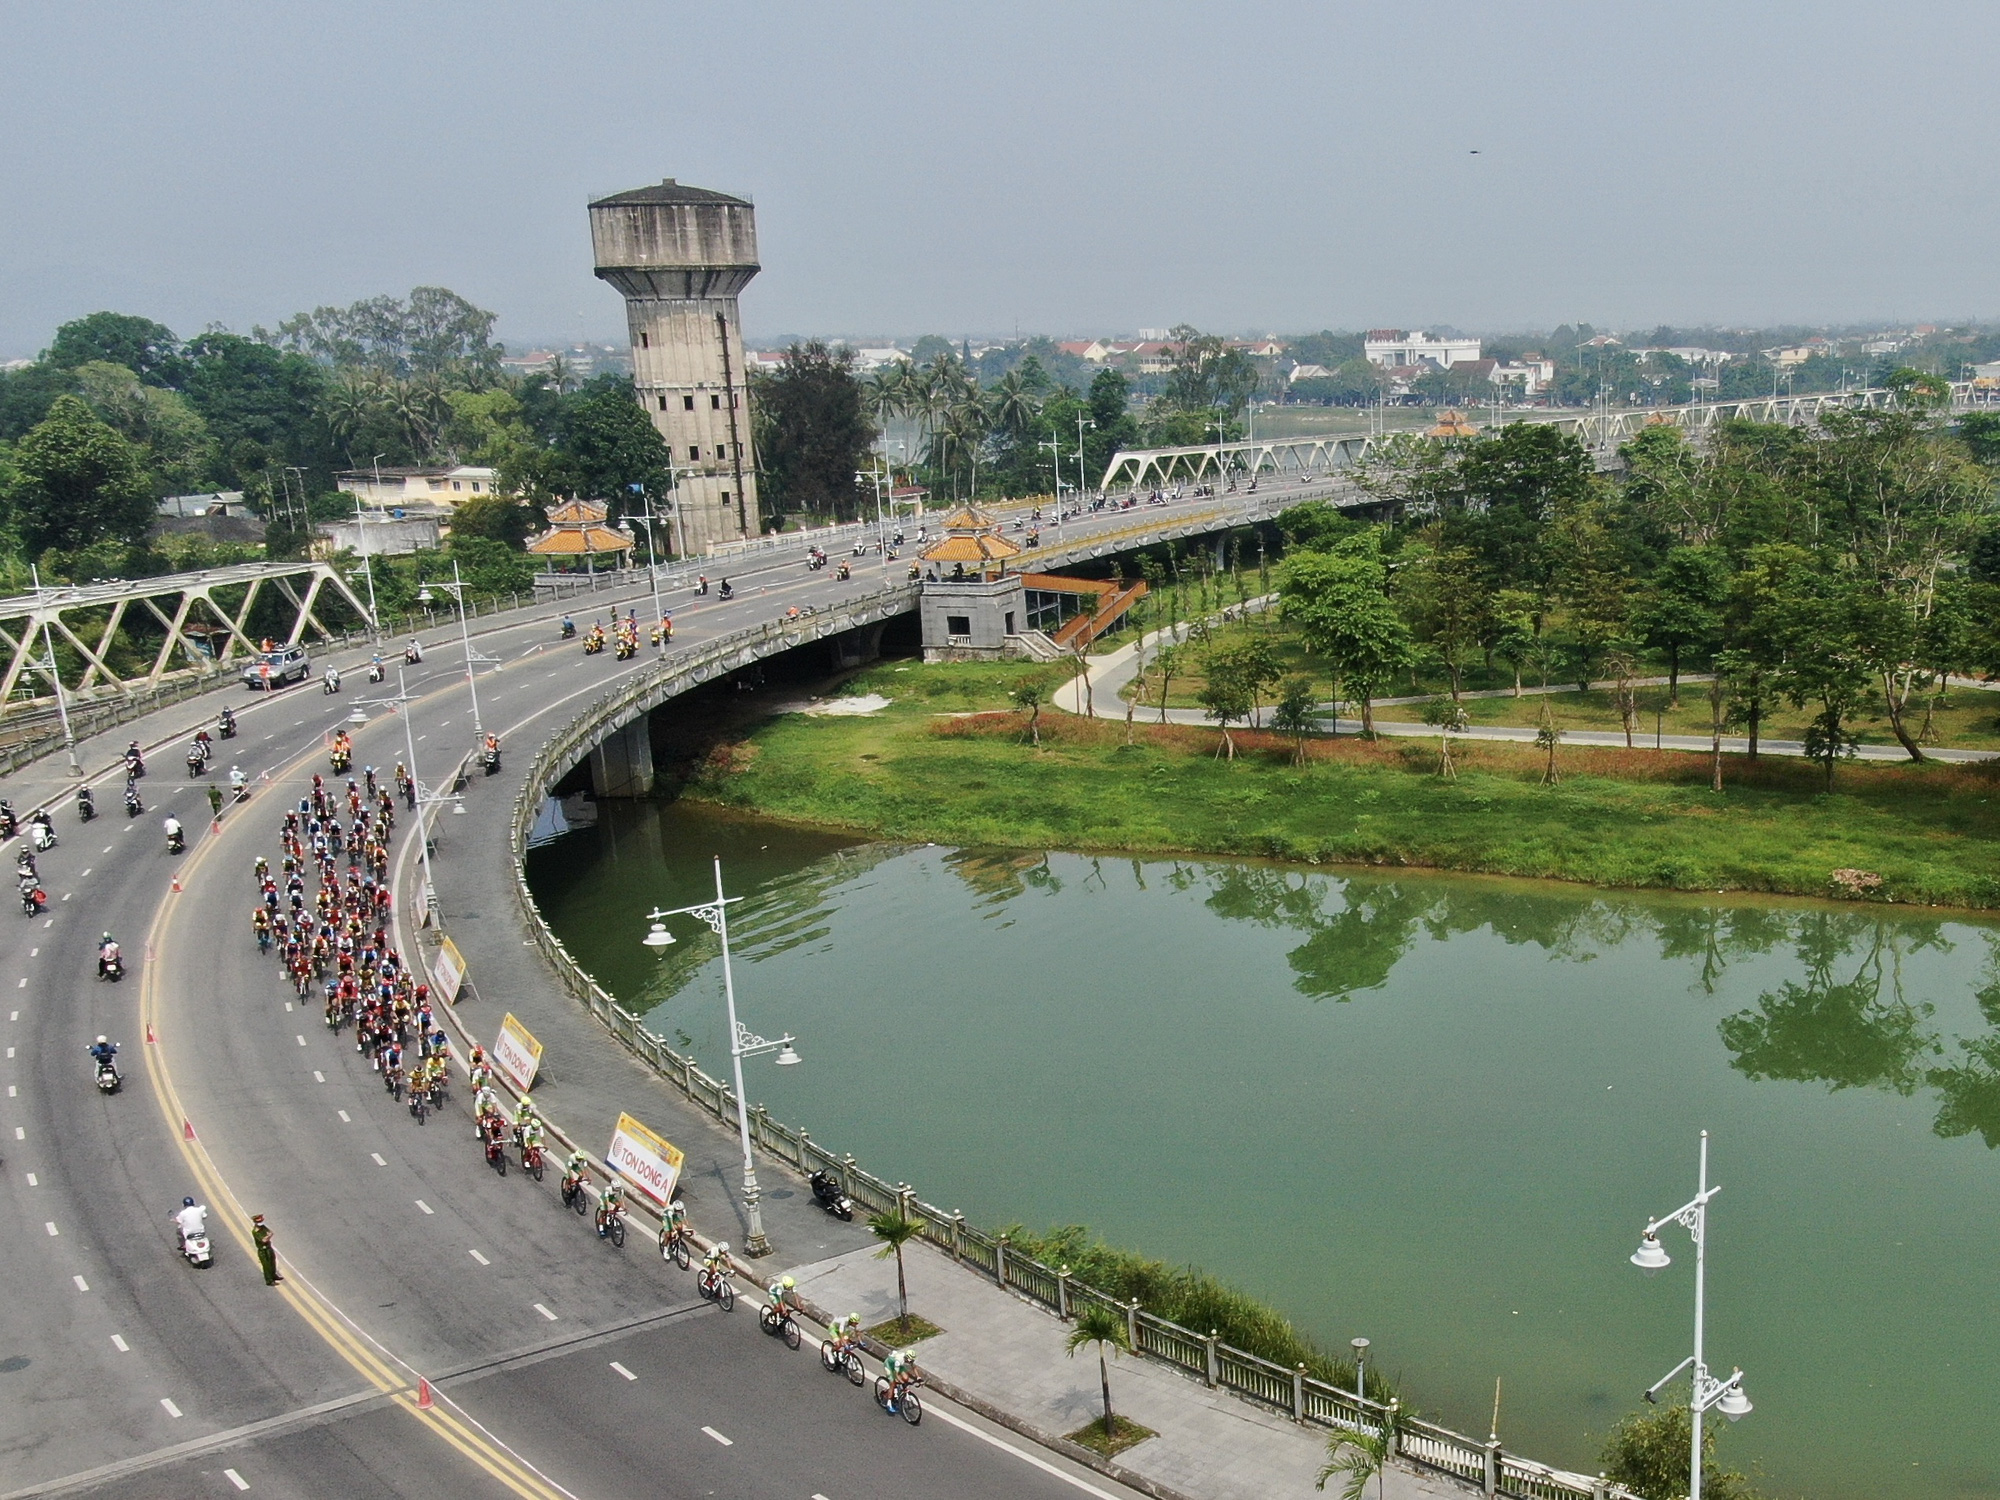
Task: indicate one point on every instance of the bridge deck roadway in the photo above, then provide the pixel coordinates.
(130, 1373)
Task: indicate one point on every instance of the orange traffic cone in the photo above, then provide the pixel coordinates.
(150, 1038)
(177, 885)
(424, 1402)
(187, 1129)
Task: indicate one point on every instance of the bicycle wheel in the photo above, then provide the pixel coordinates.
(681, 1256)
(579, 1201)
(882, 1391)
(500, 1163)
(790, 1329)
(828, 1359)
(537, 1169)
(857, 1374)
(911, 1408)
(727, 1296)
(616, 1230)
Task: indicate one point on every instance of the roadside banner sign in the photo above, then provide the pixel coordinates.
(645, 1160)
(447, 972)
(517, 1054)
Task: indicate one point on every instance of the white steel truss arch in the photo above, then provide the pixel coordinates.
(1600, 431)
(194, 625)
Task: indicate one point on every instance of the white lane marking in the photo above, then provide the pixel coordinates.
(623, 1371)
(425, 1206)
(13, 1015)
(50, 922)
(478, 1257)
(172, 1410)
(726, 1442)
(10, 1050)
(298, 722)
(51, 1227)
(66, 896)
(33, 1180)
(23, 984)
(343, 1117)
(423, 736)
(81, 1284)
(318, 1077)
(288, 1007)
(302, 1041)
(545, 1312)
(34, 953)
(86, 872)
(118, 1343)
(20, 1134)
(10, 1091)
(109, 847)
(236, 1479)
(934, 1409)
(376, 1157)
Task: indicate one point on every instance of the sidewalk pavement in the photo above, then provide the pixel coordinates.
(1007, 1353)
(1110, 673)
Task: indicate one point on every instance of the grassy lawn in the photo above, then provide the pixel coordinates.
(1968, 720)
(948, 761)
(903, 1333)
(1124, 1434)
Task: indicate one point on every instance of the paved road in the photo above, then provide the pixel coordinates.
(405, 1256)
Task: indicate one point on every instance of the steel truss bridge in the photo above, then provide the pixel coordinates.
(1601, 432)
(182, 620)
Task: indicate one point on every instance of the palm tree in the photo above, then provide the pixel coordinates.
(346, 406)
(1363, 1456)
(1099, 1325)
(1013, 406)
(895, 1231)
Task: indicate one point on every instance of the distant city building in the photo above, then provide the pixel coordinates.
(378, 536)
(1308, 372)
(1393, 348)
(214, 503)
(426, 485)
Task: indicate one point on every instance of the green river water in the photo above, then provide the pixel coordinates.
(1435, 1111)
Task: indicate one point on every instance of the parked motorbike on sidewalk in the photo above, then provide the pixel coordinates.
(827, 1194)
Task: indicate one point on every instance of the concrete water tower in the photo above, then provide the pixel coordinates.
(680, 255)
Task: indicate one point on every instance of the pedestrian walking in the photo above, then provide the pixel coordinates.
(267, 1257)
(214, 801)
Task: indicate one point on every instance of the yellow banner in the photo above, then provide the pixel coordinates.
(517, 1054)
(648, 1161)
(447, 972)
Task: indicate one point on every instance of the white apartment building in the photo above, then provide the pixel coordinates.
(389, 488)
(1391, 347)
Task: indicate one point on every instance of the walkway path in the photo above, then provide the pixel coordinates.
(1110, 673)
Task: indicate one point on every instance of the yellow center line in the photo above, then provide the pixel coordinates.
(313, 1307)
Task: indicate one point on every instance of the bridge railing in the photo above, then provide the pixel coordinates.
(1303, 1397)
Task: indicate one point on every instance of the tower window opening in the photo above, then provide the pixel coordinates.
(645, 342)
(715, 403)
(687, 403)
(694, 455)
(663, 403)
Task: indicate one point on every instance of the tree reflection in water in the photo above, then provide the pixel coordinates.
(1845, 1022)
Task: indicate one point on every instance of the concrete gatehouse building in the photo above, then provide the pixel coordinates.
(680, 255)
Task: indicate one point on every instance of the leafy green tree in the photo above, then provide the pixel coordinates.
(814, 431)
(1443, 592)
(1169, 661)
(498, 518)
(491, 567)
(1680, 609)
(1649, 1453)
(261, 405)
(1362, 1456)
(1227, 692)
(1029, 694)
(1447, 718)
(606, 445)
(1811, 622)
(1208, 374)
(1098, 1326)
(433, 331)
(175, 439)
(1297, 714)
(146, 348)
(1340, 604)
(77, 482)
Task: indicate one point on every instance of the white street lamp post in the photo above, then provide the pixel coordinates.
(424, 798)
(653, 567)
(743, 1042)
(1081, 477)
(1704, 1391)
(456, 588)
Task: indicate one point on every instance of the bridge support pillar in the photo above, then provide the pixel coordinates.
(622, 765)
(856, 647)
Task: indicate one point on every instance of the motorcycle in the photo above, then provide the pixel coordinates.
(725, 592)
(376, 671)
(239, 788)
(112, 968)
(108, 1077)
(34, 900)
(489, 761)
(195, 1248)
(592, 644)
(86, 805)
(197, 761)
(9, 824)
(226, 725)
(133, 806)
(827, 1194)
(412, 654)
(41, 833)
(568, 629)
(135, 765)
(176, 838)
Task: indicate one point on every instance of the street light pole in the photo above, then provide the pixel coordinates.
(457, 590)
(1704, 1391)
(653, 568)
(743, 1042)
(1081, 423)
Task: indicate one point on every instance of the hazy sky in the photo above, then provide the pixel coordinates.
(1072, 167)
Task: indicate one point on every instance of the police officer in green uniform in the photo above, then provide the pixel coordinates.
(266, 1256)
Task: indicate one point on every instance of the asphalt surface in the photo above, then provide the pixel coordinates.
(125, 1371)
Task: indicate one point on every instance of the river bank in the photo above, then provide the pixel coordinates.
(950, 759)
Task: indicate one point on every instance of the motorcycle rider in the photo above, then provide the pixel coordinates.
(86, 804)
(107, 955)
(102, 1052)
(191, 1218)
(227, 723)
(133, 804)
(331, 681)
(176, 840)
(239, 784)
